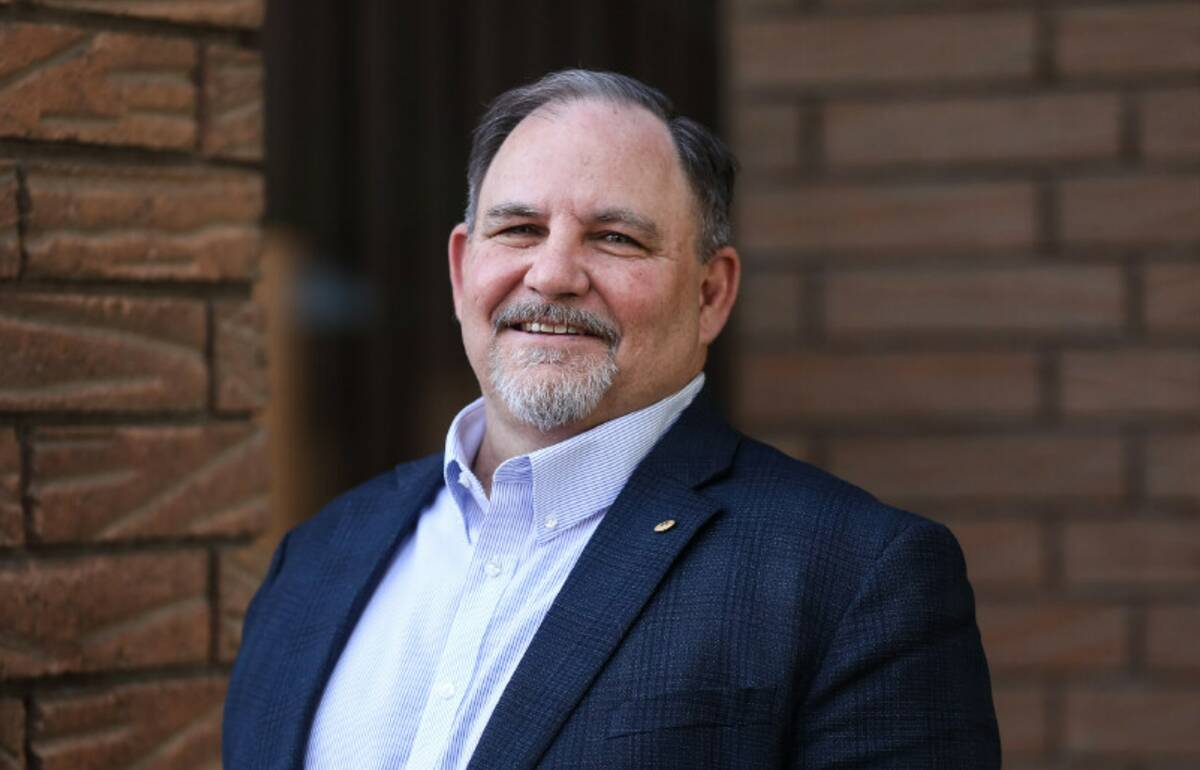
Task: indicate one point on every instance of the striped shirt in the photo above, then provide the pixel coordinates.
(448, 624)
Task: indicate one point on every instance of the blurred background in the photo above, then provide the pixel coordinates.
(971, 240)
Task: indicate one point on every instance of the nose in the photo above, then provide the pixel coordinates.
(557, 269)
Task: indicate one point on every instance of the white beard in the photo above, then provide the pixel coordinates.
(547, 388)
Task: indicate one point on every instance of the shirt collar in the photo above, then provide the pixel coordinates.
(573, 478)
(462, 443)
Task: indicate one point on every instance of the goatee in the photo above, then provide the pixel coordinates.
(549, 387)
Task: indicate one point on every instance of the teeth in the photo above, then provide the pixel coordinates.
(540, 328)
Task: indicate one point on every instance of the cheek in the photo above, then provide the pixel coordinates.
(487, 284)
(651, 307)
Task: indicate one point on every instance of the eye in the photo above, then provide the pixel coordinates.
(620, 241)
(524, 234)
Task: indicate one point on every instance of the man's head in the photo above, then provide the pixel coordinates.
(706, 160)
(594, 268)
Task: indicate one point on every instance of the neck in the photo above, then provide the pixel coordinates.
(505, 439)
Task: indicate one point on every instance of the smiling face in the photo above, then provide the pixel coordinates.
(580, 291)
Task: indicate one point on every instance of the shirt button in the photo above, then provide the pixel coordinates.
(464, 481)
(445, 690)
(550, 522)
(492, 568)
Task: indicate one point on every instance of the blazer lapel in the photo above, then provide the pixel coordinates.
(356, 556)
(618, 571)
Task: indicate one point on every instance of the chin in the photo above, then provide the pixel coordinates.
(548, 388)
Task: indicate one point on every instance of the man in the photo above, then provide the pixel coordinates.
(598, 571)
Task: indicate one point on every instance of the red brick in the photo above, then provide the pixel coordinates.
(1131, 382)
(768, 135)
(12, 734)
(92, 484)
(1172, 634)
(783, 385)
(1173, 297)
(1054, 300)
(1006, 552)
(1130, 39)
(883, 49)
(1171, 123)
(982, 467)
(92, 352)
(1154, 209)
(241, 356)
(225, 13)
(10, 254)
(12, 520)
(233, 103)
(241, 571)
(152, 726)
(143, 223)
(916, 218)
(771, 305)
(1135, 720)
(1173, 466)
(97, 87)
(1053, 636)
(1151, 209)
(1145, 551)
(1040, 127)
(1022, 714)
(103, 612)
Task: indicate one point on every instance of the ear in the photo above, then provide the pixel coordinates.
(457, 251)
(718, 289)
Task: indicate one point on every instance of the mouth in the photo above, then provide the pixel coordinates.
(554, 320)
(533, 327)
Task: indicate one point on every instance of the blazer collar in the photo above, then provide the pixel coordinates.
(617, 573)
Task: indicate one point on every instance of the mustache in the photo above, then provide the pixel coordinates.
(529, 311)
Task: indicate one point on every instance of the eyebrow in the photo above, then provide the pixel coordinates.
(512, 210)
(632, 219)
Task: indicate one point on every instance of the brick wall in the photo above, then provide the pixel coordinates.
(972, 238)
(132, 461)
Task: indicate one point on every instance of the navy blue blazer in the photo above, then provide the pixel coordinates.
(786, 619)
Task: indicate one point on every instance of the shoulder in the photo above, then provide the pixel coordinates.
(813, 527)
(799, 497)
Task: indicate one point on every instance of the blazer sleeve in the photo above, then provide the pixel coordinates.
(903, 682)
(273, 569)
(238, 738)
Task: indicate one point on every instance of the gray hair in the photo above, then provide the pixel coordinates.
(708, 163)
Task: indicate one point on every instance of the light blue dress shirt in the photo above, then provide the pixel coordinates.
(448, 624)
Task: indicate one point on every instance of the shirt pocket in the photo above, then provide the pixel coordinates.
(692, 708)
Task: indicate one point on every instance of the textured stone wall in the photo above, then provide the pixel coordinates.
(972, 238)
(133, 466)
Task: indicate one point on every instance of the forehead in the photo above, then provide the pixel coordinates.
(590, 154)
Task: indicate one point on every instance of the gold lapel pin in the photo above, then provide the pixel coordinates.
(663, 526)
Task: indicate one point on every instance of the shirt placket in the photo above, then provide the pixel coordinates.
(494, 560)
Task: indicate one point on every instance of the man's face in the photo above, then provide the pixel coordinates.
(580, 290)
